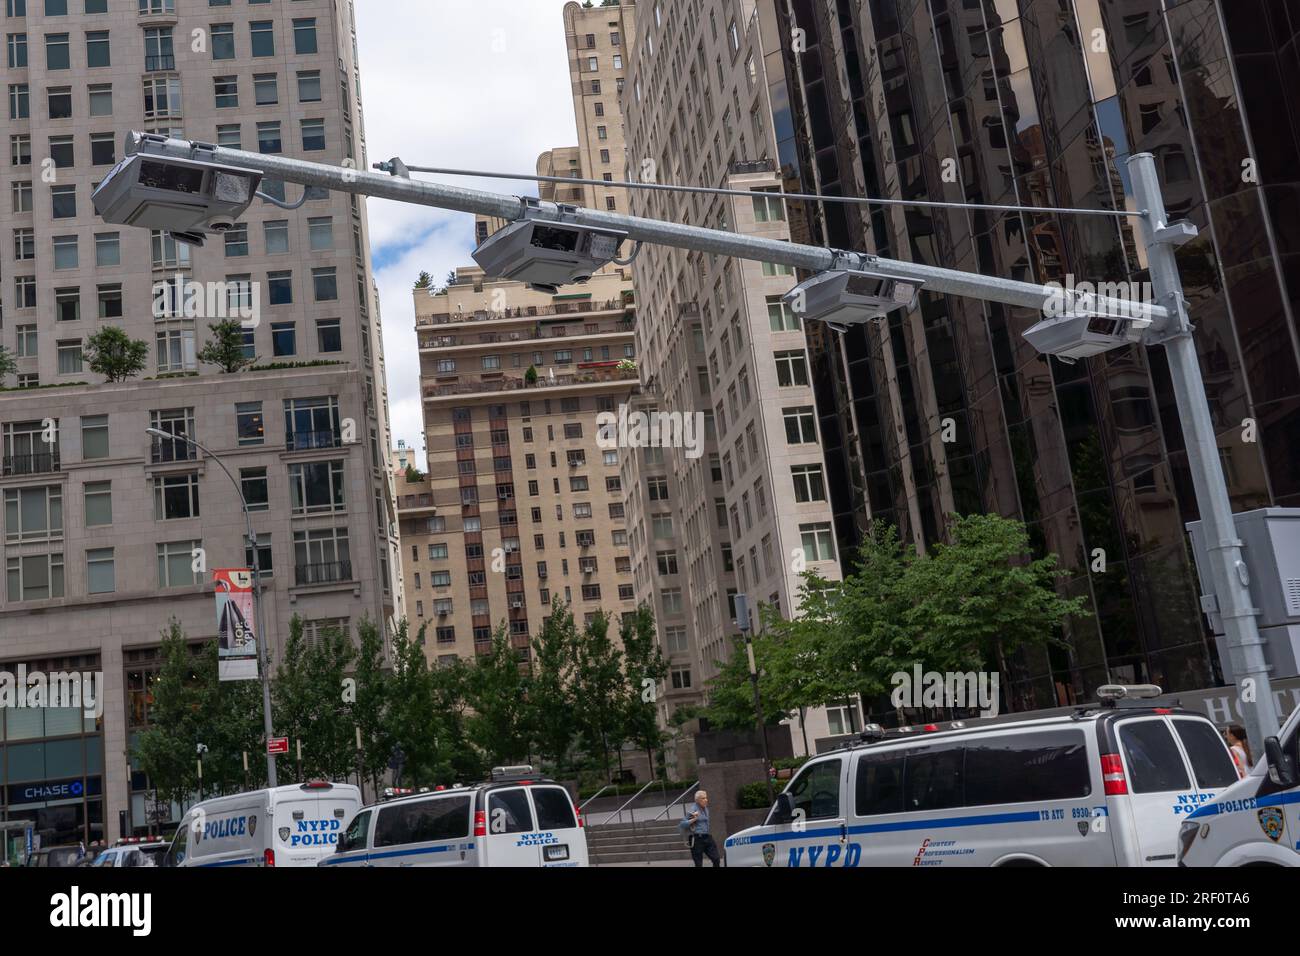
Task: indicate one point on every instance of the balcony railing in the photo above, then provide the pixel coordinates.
(742, 166)
(595, 376)
(300, 441)
(531, 335)
(527, 312)
(172, 449)
(329, 572)
(158, 62)
(40, 463)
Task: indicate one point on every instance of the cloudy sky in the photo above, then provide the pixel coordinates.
(464, 84)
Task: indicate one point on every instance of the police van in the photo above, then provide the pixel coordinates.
(1107, 785)
(1256, 821)
(294, 825)
(516, 819)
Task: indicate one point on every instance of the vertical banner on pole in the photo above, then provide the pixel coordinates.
(236, 633)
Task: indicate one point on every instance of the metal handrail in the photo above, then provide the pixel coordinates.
(668, 806)
(582, 806)
(619, 812)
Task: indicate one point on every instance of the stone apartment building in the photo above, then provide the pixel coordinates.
(109, 533)
(714, 338)
(521, 506)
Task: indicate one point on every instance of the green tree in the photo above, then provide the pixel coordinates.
(226, 347)
(731, 694)
(424, 281)
(416, 724)
(498, 686)
(982, 596)
(645, 668)
(8, 365)
(451, 693)
(309, 702)
(372, 694)
(530, 375)
(551, 704)
(598, 689)
(115, 355)
(191, 706)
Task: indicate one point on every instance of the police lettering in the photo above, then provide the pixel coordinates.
(232, 826)
(316, 833)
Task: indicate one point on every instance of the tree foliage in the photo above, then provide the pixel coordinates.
(110, 352)
(226, 347)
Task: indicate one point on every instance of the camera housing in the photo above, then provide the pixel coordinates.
(845, 297)
(547, 253)
(1082, 334)
(188, 198)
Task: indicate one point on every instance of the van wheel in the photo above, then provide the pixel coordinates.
(1020, 863)
(1264, 863)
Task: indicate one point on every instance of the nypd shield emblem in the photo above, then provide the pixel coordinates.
(1083, 827)
(284, 834)
(1270, 821)
(769, 853)
(252, 826)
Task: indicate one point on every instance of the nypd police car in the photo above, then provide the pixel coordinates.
(517, 819)
(294, 825)
(1106, 785)
(1255, 822)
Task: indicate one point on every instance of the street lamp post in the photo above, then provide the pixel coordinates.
(263, 662)
(1164, 322)
(743, 623)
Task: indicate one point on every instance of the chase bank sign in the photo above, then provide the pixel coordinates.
(49, 791)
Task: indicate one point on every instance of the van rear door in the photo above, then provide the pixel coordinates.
(1160, 784)
(511, 839)
(563, 842)
(307, 823)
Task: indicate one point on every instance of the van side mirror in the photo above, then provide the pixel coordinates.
(1281, 765)
(782, 809)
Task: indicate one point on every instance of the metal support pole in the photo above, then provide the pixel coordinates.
(399, 188)
(1227, 569)
(744, 624)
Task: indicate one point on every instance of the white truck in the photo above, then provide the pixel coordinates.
(1256, 821)
(294, 825)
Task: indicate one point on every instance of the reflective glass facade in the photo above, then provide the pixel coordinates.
(1039, 103)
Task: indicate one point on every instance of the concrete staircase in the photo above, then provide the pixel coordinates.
(618, 844)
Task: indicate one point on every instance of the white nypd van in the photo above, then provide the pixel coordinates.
(517, 819)
(1256, 821)
(294, 825)
(1105, 786)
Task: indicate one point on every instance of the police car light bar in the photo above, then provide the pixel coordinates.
(1128, 691)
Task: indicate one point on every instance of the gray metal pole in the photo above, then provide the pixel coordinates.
(1227, 569)
(713, 241)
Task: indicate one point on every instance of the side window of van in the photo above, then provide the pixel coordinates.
(354, 837)
(1154, 763)
(554, 810)
(176, 853)
(423, 821)
(932, 778)
(1015, 768)
(508, 812)
(816, 791)
(879, 787)
(1211, 763)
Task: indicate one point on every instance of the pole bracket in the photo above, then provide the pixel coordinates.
(1175, 233)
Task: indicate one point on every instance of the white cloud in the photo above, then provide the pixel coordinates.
(460, 84)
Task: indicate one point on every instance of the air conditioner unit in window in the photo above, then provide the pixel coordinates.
(516, 604)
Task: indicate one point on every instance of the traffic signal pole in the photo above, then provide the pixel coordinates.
(1169, 326)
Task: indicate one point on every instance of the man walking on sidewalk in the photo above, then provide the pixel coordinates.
(696, 826)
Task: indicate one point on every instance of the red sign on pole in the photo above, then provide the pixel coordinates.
(277, 745)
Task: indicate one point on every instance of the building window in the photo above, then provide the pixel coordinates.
(99, 571)
(266, 89)
(329, 338)
(97, 49)
(325, 284)
(284, 338)
(309, 86)
(313, 135)
(321, 556)
(99, 503)
(176, 564)
(253, 483)
(316, 487)
(791, 368)
(69, 354)
(175, 497)
(33, 514)
(681, 678)
(304, 36)
(262, 33)
(36, 577)
(268, 138)
(817, 542)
